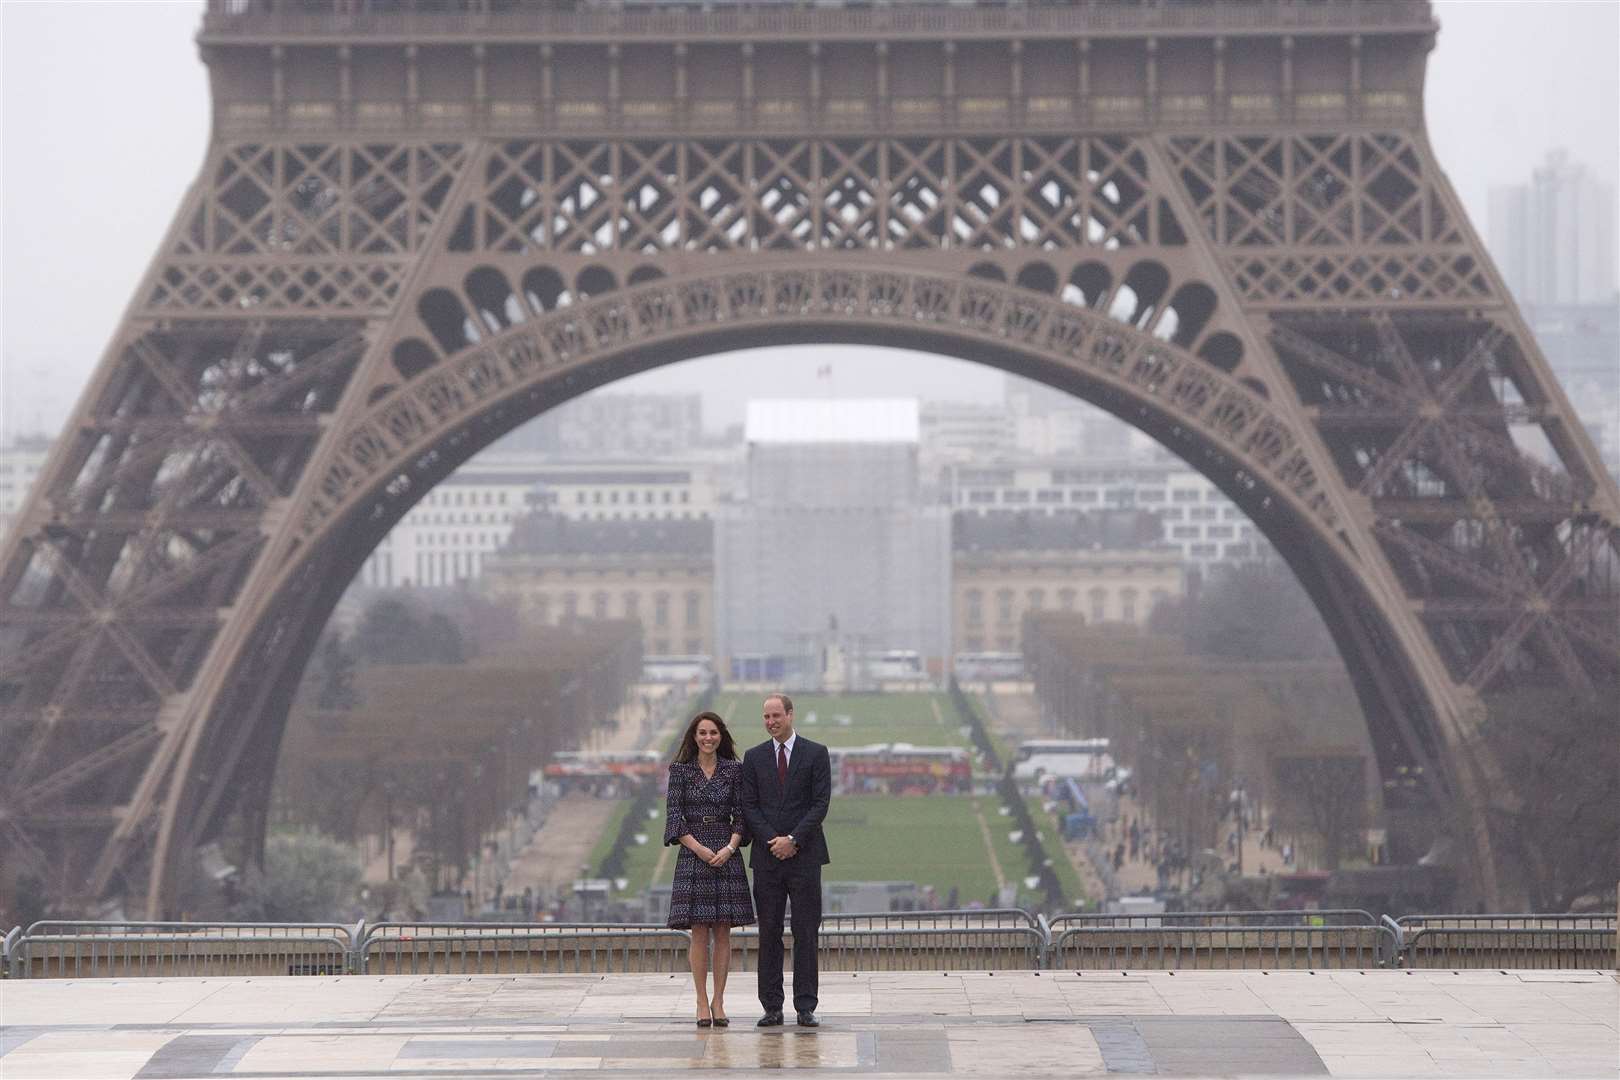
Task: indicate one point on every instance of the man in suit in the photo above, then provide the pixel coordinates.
(786, 786)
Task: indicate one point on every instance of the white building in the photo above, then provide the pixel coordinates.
(467, 517)
(648, 490)
(1199, 521)
(960, 431)
(446, 537)
(20, 465)
(1048, 422)
(1553, 238)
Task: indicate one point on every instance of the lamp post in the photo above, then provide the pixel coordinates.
(1239, 797)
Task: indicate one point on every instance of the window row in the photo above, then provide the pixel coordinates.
(465, 540)
(420, 517)
(638, 515)
(465, 498)
(632, 605)
(631, 498)
(1126, 496)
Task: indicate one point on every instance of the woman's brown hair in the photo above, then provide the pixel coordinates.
(689, 749)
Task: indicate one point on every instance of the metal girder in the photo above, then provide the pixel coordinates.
(170, 427)
(1447, 510)
(80, 769)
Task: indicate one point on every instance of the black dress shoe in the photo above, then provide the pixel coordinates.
(770, 1019)
(808, 1019)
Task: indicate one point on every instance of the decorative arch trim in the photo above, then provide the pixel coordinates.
(670, 319)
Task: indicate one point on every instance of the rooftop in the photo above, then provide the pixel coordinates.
(617, 20)
(832, 420)
(1063, 530)
(553, 534)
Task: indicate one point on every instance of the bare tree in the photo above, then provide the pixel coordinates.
(1324, 797)
(1256, 611)
(1560, 758)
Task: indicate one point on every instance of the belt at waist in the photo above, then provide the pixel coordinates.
(709, 820)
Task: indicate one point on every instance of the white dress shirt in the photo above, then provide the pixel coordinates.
(788, 746)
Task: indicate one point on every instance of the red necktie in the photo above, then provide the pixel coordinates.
(781, 764)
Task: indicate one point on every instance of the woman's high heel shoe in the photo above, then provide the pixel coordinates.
(720, 1021)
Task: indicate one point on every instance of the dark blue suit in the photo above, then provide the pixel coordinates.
(795, 809)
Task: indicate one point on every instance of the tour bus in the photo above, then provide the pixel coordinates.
(603, 772)
(989, 666)
(902, 769)
(758, 667)
(894, 665)
(677, 669)
(1082, 759)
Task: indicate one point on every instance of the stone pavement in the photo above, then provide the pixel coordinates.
(1023, 1024)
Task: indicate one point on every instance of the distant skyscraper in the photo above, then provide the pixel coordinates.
(1553, 238)
(20, 463)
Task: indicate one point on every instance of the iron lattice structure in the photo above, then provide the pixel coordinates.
(420, 224)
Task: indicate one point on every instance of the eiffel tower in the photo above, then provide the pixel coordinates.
(421, 223)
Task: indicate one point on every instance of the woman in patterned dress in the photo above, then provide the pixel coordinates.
(710, 894)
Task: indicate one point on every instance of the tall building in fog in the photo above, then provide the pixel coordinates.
(20, 463)
(1553, 238)
(835, 546)
(959, 431)
(1048, 422)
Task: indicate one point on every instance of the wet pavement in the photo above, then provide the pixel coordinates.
(1017, 1024)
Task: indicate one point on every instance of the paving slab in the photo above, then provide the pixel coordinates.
(899, 1025)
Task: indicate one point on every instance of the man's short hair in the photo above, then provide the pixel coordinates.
(787, 702)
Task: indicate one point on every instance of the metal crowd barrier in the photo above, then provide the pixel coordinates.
(1543, 948)
(1290, 917)
(8, 948)
(62, 949)
(475, 948)
(921, 948)
(949, 918)
(1594, 921)
(1232, 947)
(963, 940)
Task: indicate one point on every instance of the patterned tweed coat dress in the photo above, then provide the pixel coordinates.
(710, 808)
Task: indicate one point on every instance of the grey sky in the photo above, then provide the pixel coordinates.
(105, 118)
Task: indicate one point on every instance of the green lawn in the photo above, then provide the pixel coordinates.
(932, 840)
(641, 859)
(1014, 862)
(1052, 839)
(873, 718)
(610, 832)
